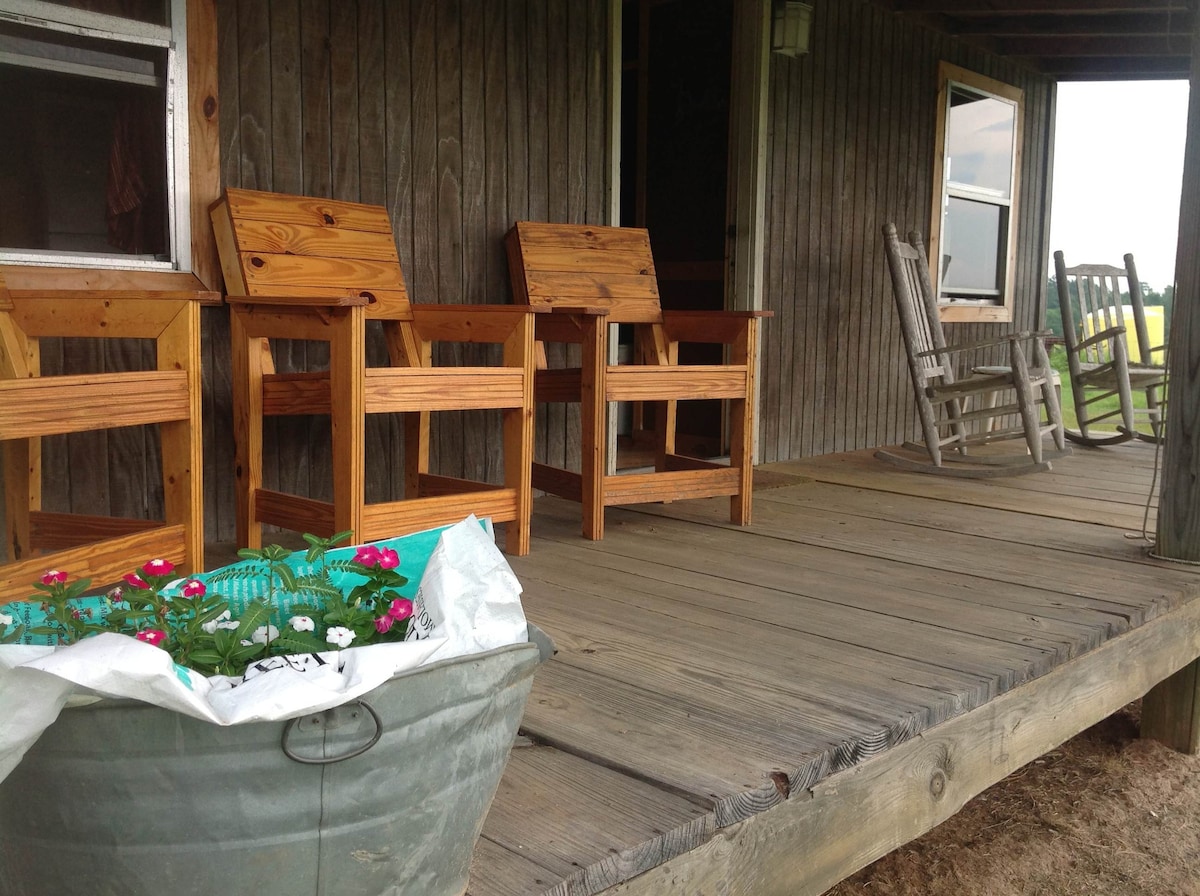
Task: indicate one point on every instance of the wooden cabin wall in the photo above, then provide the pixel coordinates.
(850, 147)
(459, 116)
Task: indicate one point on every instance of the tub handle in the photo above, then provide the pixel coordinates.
(331, 718)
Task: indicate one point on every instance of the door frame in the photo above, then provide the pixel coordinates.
(745, 207)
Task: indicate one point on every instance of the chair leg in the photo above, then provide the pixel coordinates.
(182, 440)
(22, 493)
(1025, 402)
(347, 398)
(593, 409)
(518, 438)
(249, 355)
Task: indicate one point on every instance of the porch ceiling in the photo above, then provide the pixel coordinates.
(1072, 40)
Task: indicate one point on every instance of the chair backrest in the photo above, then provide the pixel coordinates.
(272, 244)
(1092, 298)
(916, 305)
(1151, 348)
(585, 266)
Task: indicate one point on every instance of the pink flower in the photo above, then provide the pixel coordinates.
(133, 580)
(152, 636)
(400, 609)
(193, 588)
(54, 577)
(158, 568)
(388, 559)
(116, 595)
(383, 624)
(367, 555)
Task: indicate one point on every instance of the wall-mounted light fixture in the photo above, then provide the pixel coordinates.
(791, 28)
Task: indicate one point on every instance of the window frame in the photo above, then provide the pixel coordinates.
(1001, 309)
(173, 39)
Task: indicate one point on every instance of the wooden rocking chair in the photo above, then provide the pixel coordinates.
(319, 270)
(1099, 304)
(32, 406)
(950, 425)
(589, 278)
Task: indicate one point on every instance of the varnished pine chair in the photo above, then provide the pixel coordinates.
(318, 269)
(32, 406)
(1101, 305)
(958, 407)
(588, 278)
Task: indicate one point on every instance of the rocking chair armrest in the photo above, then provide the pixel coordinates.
(961, 348)
(1102, 336)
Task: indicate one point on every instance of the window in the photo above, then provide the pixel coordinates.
(973, 232)
(96, 167)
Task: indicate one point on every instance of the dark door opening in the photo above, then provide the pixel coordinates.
(674, 172)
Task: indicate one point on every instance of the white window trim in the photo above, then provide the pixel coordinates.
(1002, 310)
(54, 17)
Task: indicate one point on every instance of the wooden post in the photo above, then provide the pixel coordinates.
(1171, 711)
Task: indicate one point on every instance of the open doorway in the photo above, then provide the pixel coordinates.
(675, 104)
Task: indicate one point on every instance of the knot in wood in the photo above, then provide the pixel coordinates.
(937, 784)
(210, 106)
(257, 262)
(369, 296)
(782, 784)
(329, 219)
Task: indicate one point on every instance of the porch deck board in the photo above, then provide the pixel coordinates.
(707, 673)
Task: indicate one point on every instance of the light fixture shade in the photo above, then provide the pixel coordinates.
(792, 27)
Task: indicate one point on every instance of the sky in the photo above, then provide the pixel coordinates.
(1118, 166)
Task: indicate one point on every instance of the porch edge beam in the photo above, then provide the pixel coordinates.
(821, 835)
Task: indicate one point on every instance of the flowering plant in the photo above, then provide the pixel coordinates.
(326, 604)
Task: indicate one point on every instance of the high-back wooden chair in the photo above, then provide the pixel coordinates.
(317, 269)
(32, 406)
(958, 401)
(1101, 305)
(589, 278)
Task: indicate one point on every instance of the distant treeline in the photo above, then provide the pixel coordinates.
(1166, 298)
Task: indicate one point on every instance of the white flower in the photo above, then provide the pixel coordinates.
(246, 643)
(302, 623)
(231, 624)
(264, 633)
(5, 619)
(339, 636)
(213, 624)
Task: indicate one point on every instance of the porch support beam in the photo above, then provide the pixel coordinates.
(1171, 712)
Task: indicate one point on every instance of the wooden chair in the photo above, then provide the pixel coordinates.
(32, 406)
(1100, 303)
(958, 413)
(317, 269)
(589, 278)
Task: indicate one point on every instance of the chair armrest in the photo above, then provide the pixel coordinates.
(1102, 336)
(346, 301)
(964, 347)
(203, 296)
(489, 324)
(721, 327)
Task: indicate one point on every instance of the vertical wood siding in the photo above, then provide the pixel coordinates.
(851, 146)
(460, 116)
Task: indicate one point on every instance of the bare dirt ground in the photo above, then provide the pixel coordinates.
(1106, 814)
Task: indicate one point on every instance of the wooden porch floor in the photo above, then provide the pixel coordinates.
(764, 710)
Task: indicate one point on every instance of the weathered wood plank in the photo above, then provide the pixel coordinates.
(861, 814)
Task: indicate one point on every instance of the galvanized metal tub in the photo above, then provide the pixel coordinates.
(384, 795)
